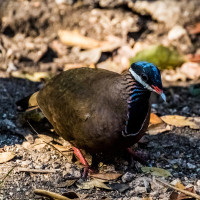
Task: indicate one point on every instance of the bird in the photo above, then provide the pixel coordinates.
(98, 110)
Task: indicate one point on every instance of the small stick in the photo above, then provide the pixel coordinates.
(52, 195)
(4, 178)
(37, 170)
(48, 142)
(180, 190)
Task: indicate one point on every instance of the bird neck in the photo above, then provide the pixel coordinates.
(138, 105)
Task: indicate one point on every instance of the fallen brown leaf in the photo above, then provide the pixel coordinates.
(157, 125)
(180, 196)
(63, 148)
(106, 176)
(6, 156)
(36, 76)
(154, 119)
(154, 129)
(180, 185)
(181, 121)
(92, 184)
(67, 183)
(73, 38)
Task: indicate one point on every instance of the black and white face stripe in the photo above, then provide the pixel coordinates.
(139, 79)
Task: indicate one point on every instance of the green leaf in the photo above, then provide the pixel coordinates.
(156, 171)
(161, 56)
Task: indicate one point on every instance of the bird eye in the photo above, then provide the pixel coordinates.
(144, 77)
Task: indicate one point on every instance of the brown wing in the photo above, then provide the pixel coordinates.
(85, 107)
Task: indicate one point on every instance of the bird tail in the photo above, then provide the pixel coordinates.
(28, 103)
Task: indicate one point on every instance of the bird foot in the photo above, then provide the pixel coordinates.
(87, 168)
(138, 156)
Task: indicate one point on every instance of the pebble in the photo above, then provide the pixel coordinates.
(191, 166)
(127, 177)
(140, 190)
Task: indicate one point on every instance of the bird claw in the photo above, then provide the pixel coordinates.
(88, 170)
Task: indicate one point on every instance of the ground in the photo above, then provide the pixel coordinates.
(27, 39)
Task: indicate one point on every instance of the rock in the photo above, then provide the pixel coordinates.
(176, 32)
(127, 177)
(191, 70)
(191, 166)
(159, 10)
(140, 190)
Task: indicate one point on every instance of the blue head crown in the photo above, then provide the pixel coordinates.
(148, 75)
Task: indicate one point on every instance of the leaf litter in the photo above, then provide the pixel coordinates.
(155, 171)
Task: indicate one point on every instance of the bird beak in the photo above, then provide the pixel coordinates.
(163, 96)
(160, 92)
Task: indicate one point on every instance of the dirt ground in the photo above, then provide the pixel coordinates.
(29, 43)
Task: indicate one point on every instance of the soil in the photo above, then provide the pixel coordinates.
(29, 27)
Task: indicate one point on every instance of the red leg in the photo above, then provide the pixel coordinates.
(78, 153)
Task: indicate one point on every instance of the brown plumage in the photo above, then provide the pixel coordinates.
(99, 110)
(88, 107)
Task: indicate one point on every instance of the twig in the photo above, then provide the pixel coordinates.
(4, 178)
(37, 170)
(52, 195)
(48, 142)
(180, 190)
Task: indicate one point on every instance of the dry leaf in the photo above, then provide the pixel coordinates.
(180, 185)
(98, 183)
(156, 171)
(73, 38)
(154, 119)
(6, 156)
(180, 196)
(63, 148)
(177, 183)
(157, 125)
(46, 138)
(38, 144)
(181, 121)
(106, 176)
(158, 128)
(67, 183)
(36, 76)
